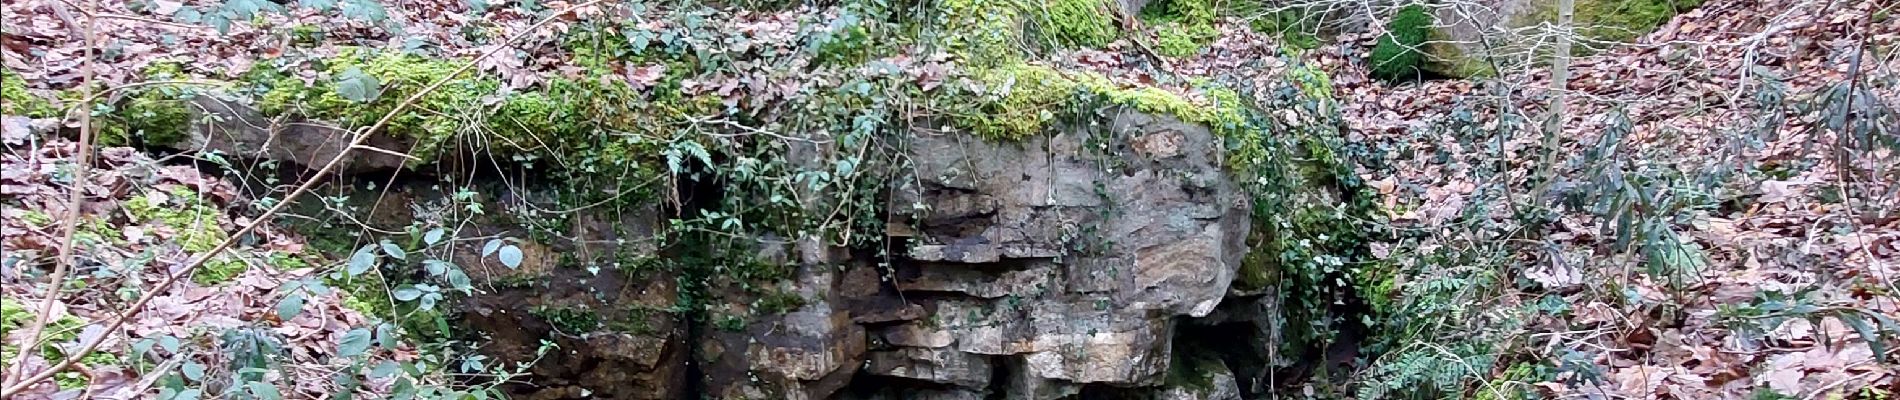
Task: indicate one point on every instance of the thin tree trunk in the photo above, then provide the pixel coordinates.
(1559, 79)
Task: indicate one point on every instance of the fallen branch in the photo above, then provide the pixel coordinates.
(76, 200)
(355, 143)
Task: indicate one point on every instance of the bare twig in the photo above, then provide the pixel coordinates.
(361, 137)
(75, 201)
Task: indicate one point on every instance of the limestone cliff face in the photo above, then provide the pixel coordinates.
(1065, 265)
(1064, 259)
(1033, 270)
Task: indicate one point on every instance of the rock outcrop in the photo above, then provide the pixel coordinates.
(1064, 260)
(1053, 267)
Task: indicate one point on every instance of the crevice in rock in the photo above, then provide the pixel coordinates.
(696, 192)
(1241, 345)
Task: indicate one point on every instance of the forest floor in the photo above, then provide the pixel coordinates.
(1715, 221)
(1766, 246)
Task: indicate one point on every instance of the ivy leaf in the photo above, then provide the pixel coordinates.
(434, 236)
(319, 5)
(142, 346)
(264, 391)
(354, 85)
(638, 40)
(218, 21)
(189, 15)
(489, 248)
(428, 301)
(290, 306)
(458, 280)
(243, 9)
(386, 334)
(407, 293)
(384, 370)
(317, 287)
(405, 388)
(510, 256)
(354, 343)
(362, 261)
(193, 371)
(393, 250)
(1866, 332)
(435, 267)
(365, 10)
(844, 167)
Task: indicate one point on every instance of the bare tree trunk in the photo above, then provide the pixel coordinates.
(1559, 80)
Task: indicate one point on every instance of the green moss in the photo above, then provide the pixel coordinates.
(1378, 285)
(1182, 27)
(846, 43)
(1398, 53)
(37, 218)
(990, 33)
(306, 35)
(286, 261)
(568, 120)
(366, 293)
(1076, 23)
(16, 314)
(397, 76)
(15, 99)
(1027, 98)
(1182, 40)
(155, 115)
(1612, 20)
(1256, 270)
(1024, 99)
(195, 221)
(570, 320)
(515, 281)
(96, 231)
(158, 116)
(984, 32)
(193, 217)
(778, 302)
(1624, 20)
(729, 323)
(638, 321)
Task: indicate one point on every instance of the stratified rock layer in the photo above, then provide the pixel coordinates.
(1036, 269)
